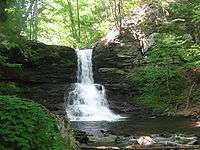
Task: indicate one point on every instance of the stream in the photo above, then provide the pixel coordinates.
(171, 132)
(140, 126)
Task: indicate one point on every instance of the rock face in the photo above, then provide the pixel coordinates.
(121, 52)
(46, 76)
(112, 63)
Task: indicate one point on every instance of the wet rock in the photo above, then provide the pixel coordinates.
(102, 138)
(193, 142)
(197, 124)
(195, 117)
(126, 140)
(174, 140)
(106, 140)
(81, 136)
(105, 132)
(161, 147)
(46, 75)
(145, 140)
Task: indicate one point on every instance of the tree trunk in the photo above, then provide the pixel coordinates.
(120, 13)
(117, 11)
(189, 95)
(35, 20)
(78, 20)
(168, 87)
(72, 22)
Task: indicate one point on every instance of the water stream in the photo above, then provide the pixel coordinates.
(134, 125)
(87, 101)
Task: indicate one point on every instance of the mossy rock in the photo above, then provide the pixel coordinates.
(27, 125)
(12, 88)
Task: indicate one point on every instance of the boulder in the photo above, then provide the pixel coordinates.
(145, 141)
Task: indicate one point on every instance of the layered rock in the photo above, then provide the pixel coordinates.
(122, 51)
(46, 76)
(112, 65)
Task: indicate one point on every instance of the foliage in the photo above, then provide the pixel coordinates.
(189, 11)
(11, 88)
(161, 88)
(22, 18)
(4, 62)
(169, 48)
(77, 23)
(178, 38)
(26, 125)
(76, 30)
(163, 82)
(13, 65)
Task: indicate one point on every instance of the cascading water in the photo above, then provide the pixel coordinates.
(87, 101)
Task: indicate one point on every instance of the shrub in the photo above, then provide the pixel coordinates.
(27, 125)
(161, 88)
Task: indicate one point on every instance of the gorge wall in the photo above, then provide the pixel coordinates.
(121, 52)
(44, 78)
(139, 66)
(112, 63)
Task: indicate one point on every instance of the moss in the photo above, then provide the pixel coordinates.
(11, 88)
(13, 65)
(27, 125)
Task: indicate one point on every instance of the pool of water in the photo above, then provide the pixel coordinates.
(140, 126)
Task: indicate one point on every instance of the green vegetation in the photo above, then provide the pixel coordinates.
(77, 23)
(162, 87)
(171, 78)
(168, 82)
(27, 125)
(24, 123)
(11, 88)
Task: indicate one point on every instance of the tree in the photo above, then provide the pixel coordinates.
(70, 11)
(78, 21)
(20, 17)
(117, 12)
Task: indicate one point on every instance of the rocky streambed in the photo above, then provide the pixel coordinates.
(139, 133)
(106, 140)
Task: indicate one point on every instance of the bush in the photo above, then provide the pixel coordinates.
(161, 88)
(176, 48)
(27, 125)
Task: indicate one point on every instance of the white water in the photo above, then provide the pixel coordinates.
(87, 101)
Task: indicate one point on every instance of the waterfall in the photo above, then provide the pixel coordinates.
(87, 101)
